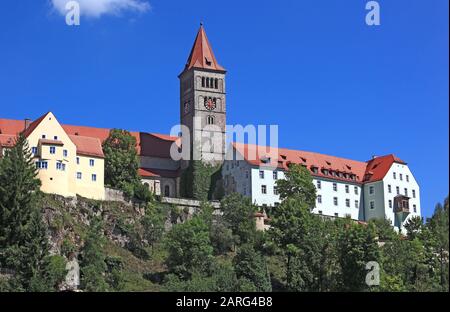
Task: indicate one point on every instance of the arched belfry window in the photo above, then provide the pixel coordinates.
(210, 120)
(203, 82)
(216, 83)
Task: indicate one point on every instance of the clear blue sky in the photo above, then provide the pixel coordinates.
(331, 83)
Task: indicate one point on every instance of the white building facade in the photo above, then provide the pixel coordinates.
(383, 187)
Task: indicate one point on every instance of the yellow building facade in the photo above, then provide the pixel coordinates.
(67, 165)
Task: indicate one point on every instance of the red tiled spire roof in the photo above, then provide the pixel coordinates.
(202, 55)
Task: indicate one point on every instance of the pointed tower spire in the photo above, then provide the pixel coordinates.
(202, 55)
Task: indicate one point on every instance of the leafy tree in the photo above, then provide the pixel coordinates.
(221, 279)
(308, 245)
(51, 276)
(251, 266)
(93, 265)
(23, 239)
(189, 247)
(298, 183)
(153, 224)
(384, 229)
(122, 164)
(439, 229)
(238, 213)
(413, 227)
(357, 246)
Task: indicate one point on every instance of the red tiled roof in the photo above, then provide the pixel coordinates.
(152, 172)
(7, 140)
(87, 146)
(284, 157)
(148, 144)
(33, 125)
(379, 166)
(202, 55)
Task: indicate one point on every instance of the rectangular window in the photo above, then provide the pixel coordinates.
(275, 190)
(389, 188)
(407, 178)
(55, 138)
(91, 162)
(372, 204)
(79, 175)
(94, 177)
(319, 185)
(390, 203)
(78, 160)
(347, 202)
(356, 204)
(41, 165)
(245, 191)
(320, 212)
(52, 150)
(43, 136)
(34, 150)
(261, 174)
(65, 153)
(336, 214)
(263, 189)
(401, 177)
(246, 174)
(406, 191)
(335, 201)
(414, 193)
(60, 166)
(275, 175)
(371, 190)
(347, 189)
(397, 190)
(319, 199)
(415, 208)
(356, 190)
(335, 187)
(394, 175)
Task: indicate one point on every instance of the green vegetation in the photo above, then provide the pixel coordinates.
(199, 181)
(122, 164)
(120, 248)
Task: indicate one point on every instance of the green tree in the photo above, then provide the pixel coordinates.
(298, 183)
(23, 239)
(413, 227)
(122, 164)
(189, 247)
(438, 225)
(238, 213)
(153, 224)
(251, 266)
(358, 245)
(384, 229)
(93, 266)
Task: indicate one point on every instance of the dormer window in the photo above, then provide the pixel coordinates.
(208, 61)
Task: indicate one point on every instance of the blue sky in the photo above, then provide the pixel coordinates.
(331, 83)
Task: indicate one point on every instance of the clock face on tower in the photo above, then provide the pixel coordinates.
(210, 104)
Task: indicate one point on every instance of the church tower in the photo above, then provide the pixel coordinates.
(203, 102)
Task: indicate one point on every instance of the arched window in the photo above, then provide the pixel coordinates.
(203, 82)
(167, 191)
(210, 120)
(216, 83)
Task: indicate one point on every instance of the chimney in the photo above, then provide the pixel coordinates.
(27, 123)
